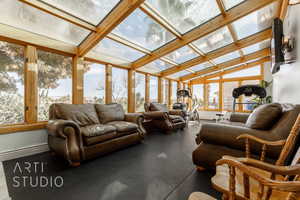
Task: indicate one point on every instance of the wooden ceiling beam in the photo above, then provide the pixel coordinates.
(232, 15)
(253, 39)
(283, 9)
(113, 19)
(237, 61)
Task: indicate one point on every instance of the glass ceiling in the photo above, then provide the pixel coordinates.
(181, 55)
(201, 66)
(256, 47)
(141, 29)
(227, 57)
(179, 74)
(87, 9)
(231, 3)
(22, 16)
(156, 66)
(184, 15)
(253, 71)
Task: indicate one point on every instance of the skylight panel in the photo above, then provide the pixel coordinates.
(181, 55)
(201, 66)
(214, 40)
(227, 57)
(256, 47)
(156, 66)
(185, 15)
(179, 74)
(253, 71)
(256, 21)
(114, 49)
(92, 11)
(141, 29)
(231, 3)
(21, 16)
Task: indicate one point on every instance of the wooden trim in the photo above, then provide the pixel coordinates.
(221, 93)
(108, 84)
(131, 91)
(204, 81)
(113, 19)
(205, 92)
(253, 39)
(170, 94)
(240, 99)
(283, 9)
(160, 90)
(77, 80)
(7, 129)
(31, 84)
(233, 14)
(147, 88)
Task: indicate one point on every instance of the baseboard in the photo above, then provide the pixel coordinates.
(25, 151)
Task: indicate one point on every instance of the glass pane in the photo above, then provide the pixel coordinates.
(22, 16)
(153, 89)
(201, 66)
(231, 3)
(54, 81)
(251, 99)
(213, 95)
(227, 57)
(214, 40)
(87, 9)
(253, 71)
(11, 83)
(166, 91)
(183, 54)
(198, 94)
(228, 87)
(156, 66)
(140, 82)
(110, 48)
(256, 21)
(184, 15)
(94, 83)
(257, 47)
(174, 92)
(141, 29)
(179, 74)
(119, 86)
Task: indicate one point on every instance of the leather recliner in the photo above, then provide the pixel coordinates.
(85, 131)
(162, 118)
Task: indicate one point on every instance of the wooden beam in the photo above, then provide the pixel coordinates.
(108, 84)
(31, 84)
(113, 19)
(221, 93)
(170, 94)
(237, 61)
(131, 91)
(77, 82)
(283, 9)
(147, 88)
(205, 92)
(240, 100)
(160, 90)
(253, 39)
(233, 14)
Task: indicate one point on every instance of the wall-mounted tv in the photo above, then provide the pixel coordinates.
(276, 45)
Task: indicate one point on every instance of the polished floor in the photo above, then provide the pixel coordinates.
(159, 168)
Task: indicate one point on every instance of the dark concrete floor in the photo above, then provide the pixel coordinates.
(159, 168)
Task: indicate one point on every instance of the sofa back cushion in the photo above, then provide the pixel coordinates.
(158, 107)
(82, 114)
(110, 112)
(265, 116)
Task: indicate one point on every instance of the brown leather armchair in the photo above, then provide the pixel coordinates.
(161, 117)
(85, 131)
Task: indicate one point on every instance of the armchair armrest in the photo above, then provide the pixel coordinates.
(261, 141)
(138, 119)
(156, 115)
(239, 117)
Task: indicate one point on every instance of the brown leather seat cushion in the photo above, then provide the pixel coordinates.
(110, 112)
(159, 107)
(94, 134)
(124, 127)
(176, 118)
(265, 116)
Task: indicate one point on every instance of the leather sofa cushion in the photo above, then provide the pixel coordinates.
(265, 116)
(82, 114)
(176, 118)
(110, 112)
(123, 126)
(159, 107)
(97, 129)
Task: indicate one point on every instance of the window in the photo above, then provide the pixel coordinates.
(256, 47)
(156, 66)
(54, 81)
(227, 57)
(166, 91)
(174, 92)
(201, 66)
(140, 84)
(231, 3)
(119, 86)
(213, 95)
(228, 87)
(182, 55)
(11, 83)
(198, 94)
(179, 74)
(253, 71)
(153, 89)
(94, 83)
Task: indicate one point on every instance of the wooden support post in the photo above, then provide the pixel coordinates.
(77, 83)
(205, 87)
(221, 93)
(262, 71)
(147, 88)
(190, 101)
(240, 100)
(170, 94)
(108, 84)
(31, 84)
(160, 90)
(131, 91)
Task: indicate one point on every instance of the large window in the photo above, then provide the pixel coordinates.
(213, 95)
(139, 92)
(153, 89)
(174, 92)
(94, 83)
(198, 95)
(228, 87)
(54, 81)
(119, 86)
(11, 83)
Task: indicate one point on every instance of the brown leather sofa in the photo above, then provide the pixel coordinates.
(217, 139)
(160, 117)
(85, 131)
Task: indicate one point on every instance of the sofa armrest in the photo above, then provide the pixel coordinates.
(137, 118)
(56, 128)
(177, 112)
(239, 117)
(156, 115)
